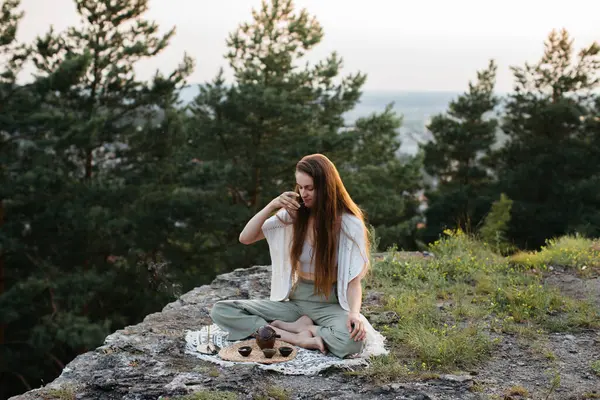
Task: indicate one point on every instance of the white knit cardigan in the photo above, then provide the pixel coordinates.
(352, 256)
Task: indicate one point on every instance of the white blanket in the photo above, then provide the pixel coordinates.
(307, 362)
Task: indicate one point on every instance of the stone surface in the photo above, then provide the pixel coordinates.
(147, 360)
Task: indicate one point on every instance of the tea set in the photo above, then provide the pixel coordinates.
(265, 339)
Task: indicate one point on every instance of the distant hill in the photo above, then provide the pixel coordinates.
(416, 108)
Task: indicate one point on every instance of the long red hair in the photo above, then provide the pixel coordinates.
(330, 200)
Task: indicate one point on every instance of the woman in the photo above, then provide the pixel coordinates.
(320, 252)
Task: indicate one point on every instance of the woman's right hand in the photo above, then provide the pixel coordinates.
(287, 200)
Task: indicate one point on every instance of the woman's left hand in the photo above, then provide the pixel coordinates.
(355, 326)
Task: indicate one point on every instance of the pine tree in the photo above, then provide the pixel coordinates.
(87, 129)
(108, 103)
(19, 105)
(495, 225)
(251, 134)
(549, 164)
(456, 158)
(10, 63)
(588, 221)
(276, 112)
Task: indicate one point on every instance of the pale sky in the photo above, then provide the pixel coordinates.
(435, 45)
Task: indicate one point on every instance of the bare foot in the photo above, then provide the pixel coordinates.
(301, 324)
(314, 343)
(305, 334)
(303, 339)
(291, 337)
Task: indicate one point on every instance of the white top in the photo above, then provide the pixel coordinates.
(352, 257)
(307, 261)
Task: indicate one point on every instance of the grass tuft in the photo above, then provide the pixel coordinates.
(573, 252)
(207, 395)
(63, 393)
(596, 367)
(448, 347)
(278, 393)
(517, 391)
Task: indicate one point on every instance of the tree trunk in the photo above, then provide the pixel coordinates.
(2, 326)
(256, 194)
(88, 165)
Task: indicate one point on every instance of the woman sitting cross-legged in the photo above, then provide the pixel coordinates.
(319, 251)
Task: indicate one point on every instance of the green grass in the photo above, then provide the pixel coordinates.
(517, 391)
(385, 369)
(211, 371)
(477, 387)
(207, 395)
(448, 347)
(278, 393)
(64, 393)
(568, 251)
(272, 393)
(450, 305)
(596, 367)
(540, 347)
(526, 299)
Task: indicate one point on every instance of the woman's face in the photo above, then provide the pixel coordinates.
(305, 187)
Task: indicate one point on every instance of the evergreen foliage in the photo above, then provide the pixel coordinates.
(549, 166)
(457, 157)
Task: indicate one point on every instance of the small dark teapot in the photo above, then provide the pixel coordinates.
(265, 337)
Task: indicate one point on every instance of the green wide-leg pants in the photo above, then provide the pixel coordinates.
(241, 318)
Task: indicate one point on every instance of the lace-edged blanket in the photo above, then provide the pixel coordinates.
(307, 362)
